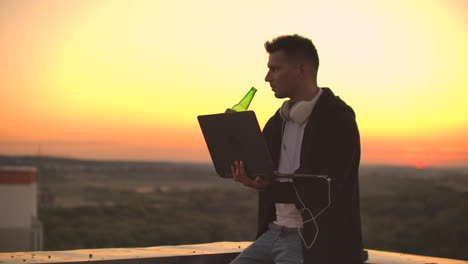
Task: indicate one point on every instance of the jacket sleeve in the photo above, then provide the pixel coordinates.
(342, 150)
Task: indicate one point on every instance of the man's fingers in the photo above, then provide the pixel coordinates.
(243, 172)
(235, 171)
(242, 169)
(240, 175)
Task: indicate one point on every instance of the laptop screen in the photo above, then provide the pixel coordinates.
(236, 136)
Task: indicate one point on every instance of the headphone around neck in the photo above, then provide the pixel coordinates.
(298, 112)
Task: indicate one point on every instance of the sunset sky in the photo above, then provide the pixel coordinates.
(127, 79)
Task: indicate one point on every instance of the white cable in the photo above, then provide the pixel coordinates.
(312, 217)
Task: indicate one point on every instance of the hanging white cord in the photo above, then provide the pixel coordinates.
(312, 217)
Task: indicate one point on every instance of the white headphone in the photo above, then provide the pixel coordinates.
(298, 112)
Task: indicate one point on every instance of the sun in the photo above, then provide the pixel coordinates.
(420, 166)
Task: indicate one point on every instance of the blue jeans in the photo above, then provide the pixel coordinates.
(278, 245)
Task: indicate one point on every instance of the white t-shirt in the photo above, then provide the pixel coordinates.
(287, 214)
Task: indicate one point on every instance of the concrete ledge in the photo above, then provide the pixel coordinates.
(220, 252)
(211, 253)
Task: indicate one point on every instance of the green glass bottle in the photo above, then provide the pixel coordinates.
(243, 105)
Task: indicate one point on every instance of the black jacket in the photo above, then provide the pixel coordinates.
(330, 146)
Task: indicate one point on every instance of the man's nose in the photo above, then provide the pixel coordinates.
(267, 77)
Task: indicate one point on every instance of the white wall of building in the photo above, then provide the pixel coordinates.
(18, 205)
(20, 228)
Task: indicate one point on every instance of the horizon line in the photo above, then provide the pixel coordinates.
(382, 165)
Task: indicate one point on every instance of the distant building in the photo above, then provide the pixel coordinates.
(20, 228)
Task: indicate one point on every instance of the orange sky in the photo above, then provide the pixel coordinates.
(126, 79)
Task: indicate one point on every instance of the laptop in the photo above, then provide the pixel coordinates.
(236, 136)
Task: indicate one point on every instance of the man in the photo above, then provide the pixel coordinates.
(307, 219)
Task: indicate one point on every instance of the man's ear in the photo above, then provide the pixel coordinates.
(303, 69)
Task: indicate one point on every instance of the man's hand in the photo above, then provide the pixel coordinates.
(240, 175)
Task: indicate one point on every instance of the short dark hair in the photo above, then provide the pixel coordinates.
(296, 47)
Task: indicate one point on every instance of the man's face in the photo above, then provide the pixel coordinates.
(283, 75)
